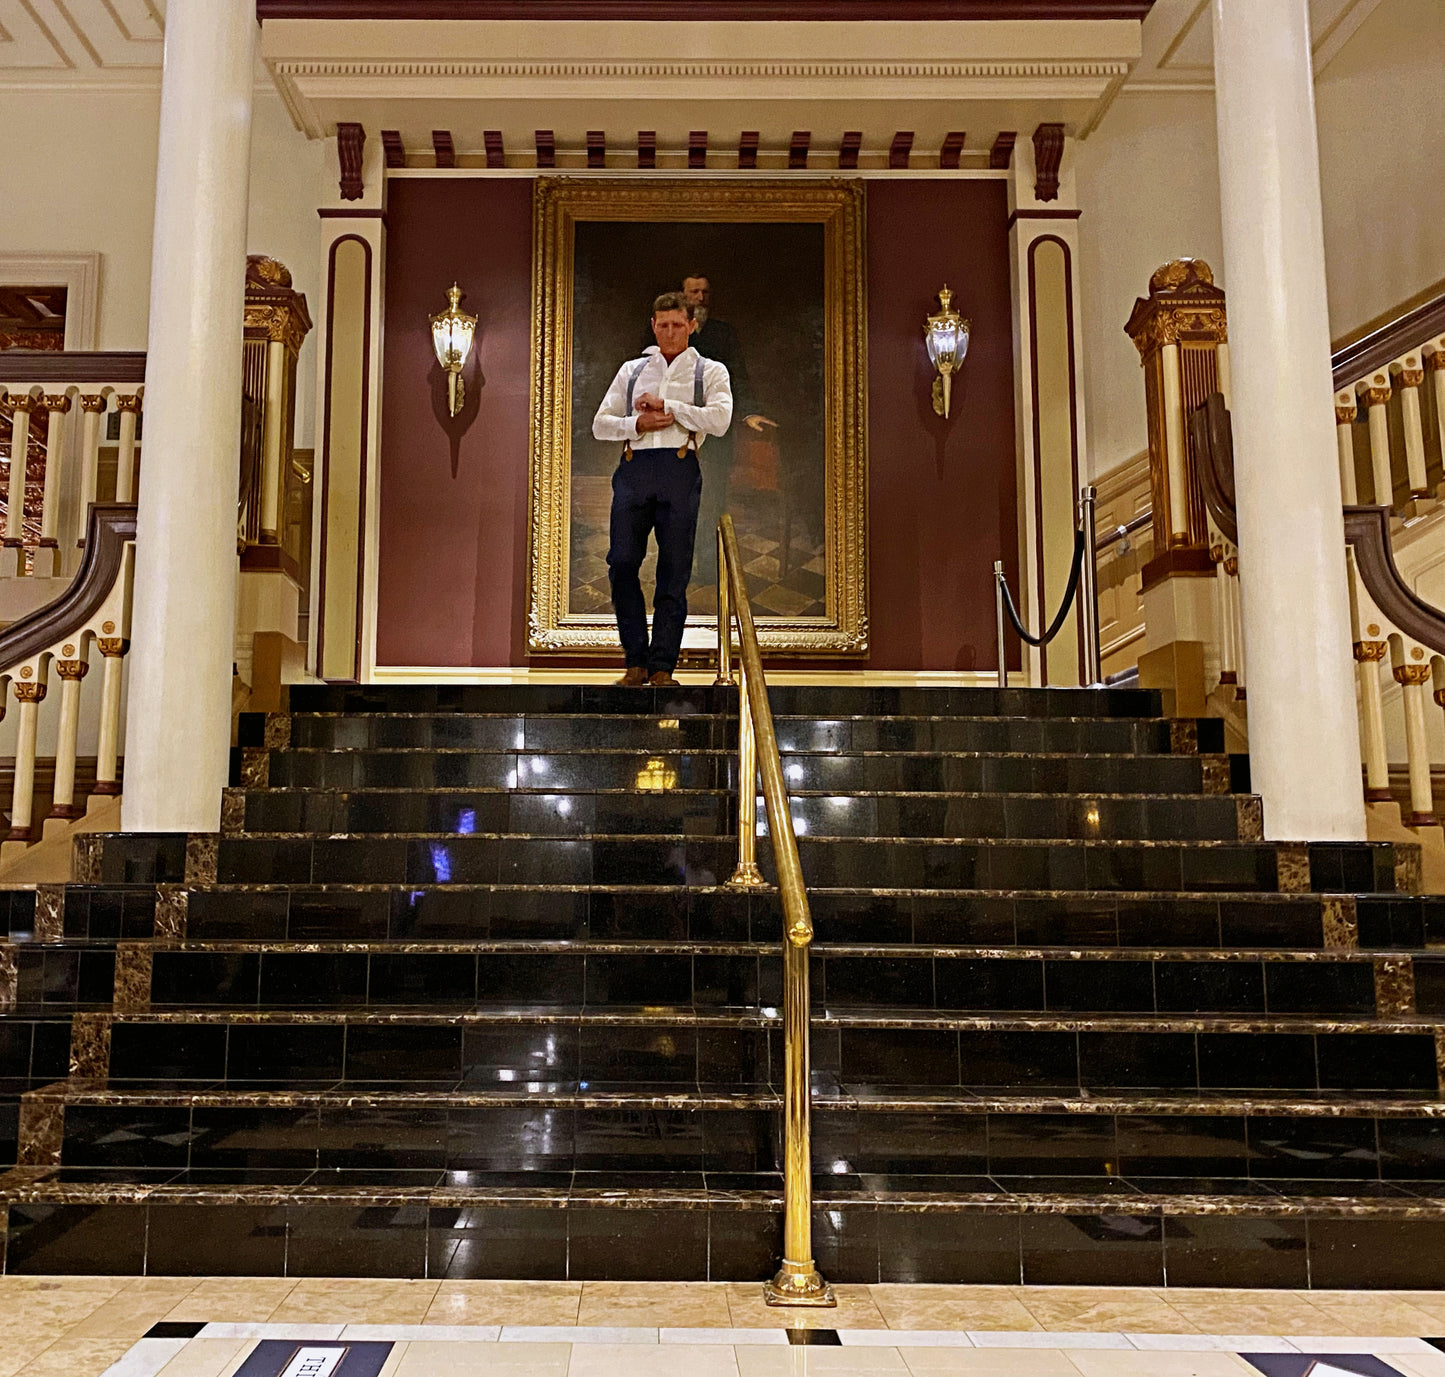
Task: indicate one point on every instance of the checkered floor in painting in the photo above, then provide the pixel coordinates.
(797, 591)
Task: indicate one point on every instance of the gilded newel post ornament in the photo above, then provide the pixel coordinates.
(1182, 336)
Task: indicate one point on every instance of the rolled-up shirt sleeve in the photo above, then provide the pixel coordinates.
(715, 414)
(611, 423)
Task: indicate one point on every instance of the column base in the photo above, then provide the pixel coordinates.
(798, 1285)
(104, 788)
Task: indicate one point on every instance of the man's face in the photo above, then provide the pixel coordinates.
(697, 292)
(670, 329)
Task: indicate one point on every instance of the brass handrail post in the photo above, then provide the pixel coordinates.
(797, 1281)
(724, 621)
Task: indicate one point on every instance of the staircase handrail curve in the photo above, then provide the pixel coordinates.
(73, 366)
(797, 1281)
(1381, 347)
(1212, 431)
(1367, 530)
(110, 528)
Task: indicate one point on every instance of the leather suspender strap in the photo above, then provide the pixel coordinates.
(631, 388)
(698, 397)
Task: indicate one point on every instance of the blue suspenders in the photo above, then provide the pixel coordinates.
(697, 400)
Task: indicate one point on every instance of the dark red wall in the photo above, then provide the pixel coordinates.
(454, 494)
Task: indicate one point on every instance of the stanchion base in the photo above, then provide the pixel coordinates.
(747, 877)
(725, 681)
(798, 1286)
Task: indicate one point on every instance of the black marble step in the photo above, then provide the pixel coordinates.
(805, 700)
(34, 1051)
(742, 1047)
(584, 770)
(828, 862)
(960, 917)
(717, 974)
(713, 813)
(559, 732)
(1389, 1145)
(720, 1227)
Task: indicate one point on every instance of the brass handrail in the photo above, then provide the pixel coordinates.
(797, 1281)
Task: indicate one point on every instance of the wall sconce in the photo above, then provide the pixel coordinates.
(452, 332)
(946, 334)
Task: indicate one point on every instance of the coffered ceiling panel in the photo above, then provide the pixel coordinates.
(80, 39)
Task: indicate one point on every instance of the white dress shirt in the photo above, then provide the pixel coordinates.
(673, 382)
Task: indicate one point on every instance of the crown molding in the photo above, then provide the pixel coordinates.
(888, 11)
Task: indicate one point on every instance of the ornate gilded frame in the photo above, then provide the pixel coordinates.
(559, 203)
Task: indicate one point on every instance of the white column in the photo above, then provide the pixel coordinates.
(1346, 410)
(178, 724)
(1411, 375)
(1377, 393)
(1304, 733)
(93, 404)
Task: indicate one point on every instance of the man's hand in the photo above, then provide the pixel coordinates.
(759, 423)
(649, 402)
(651, 420)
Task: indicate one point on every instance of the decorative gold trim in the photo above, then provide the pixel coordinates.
(1345, 415)
(72, 669)
(1378, 396)
(838, 205)
(1368, 651)
(28, 693)
(1411, 377)
(92, 401)
(1411, 674)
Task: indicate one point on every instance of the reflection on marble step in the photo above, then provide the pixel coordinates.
(1110, 736)
(741, 1047)
(829, 862)
(813, 701)
(1024, 772)
(1043, 1232)
(713, 812)
(290, 975)
(958, 917)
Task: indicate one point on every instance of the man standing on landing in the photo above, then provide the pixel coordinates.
(659, 408)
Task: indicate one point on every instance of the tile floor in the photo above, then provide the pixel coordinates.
(187, 1327)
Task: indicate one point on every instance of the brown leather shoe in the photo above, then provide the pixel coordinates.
(662, 678)
(636, 677)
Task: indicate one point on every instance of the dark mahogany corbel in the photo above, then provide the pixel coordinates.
(350, 139)
(1048, 154)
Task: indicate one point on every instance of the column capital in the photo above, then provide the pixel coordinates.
(1366, 651)
(56, 401)
(93, 401)
(27, 691)
(111, 646)
(72, 669)
(1411, 674)
(127, 401)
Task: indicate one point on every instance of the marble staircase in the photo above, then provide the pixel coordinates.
(458, 991)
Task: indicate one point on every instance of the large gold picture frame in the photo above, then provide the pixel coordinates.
(837, 623)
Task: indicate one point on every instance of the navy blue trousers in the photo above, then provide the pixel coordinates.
(654, 492)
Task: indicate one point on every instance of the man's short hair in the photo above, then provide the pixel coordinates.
(697, 277)
(672, 301)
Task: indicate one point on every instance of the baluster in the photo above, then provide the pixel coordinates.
(747, 875)
(58, 405)
(21, 405)
(29, 691)
(1412, 678)
(129, 408)
(1227, 676)
(93, 405)
(1231, 572)
(1435, 363)
(1368, 655)
(1174, 445)
(1346, 410)
(1411, 375)
(1376, 393)
(113, 648)
(71, 671)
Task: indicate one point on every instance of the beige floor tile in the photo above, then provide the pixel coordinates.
(1113, 1363)
(757, 1360)
(134, 1310)
(505, 1302)
(234, 1300)
(207, 1357)
(855, 1310)
(356, 1301)
(32, 1311)
(678, 1305)
(952, 1307)
(1420, 1364)
(1431, 1302)
(1103, 1308)
(1220, 1311)
(988, 1362)
(1366, 1312)
(76, 1358)
(453, 1359)
(637, 1360)
(15, 1353)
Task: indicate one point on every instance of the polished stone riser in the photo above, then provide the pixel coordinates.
(809, 701)
(713, 813)
(966, 918)
(1041, 1052)
(856, 1241)
(937, 773)
(828, 862)
(557, 733)
(1241, 1155)
(1333, 984)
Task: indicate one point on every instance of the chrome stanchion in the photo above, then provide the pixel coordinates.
(1089, 593)
(998, 577)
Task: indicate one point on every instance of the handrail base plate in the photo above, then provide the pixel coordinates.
(795, 1285)
(747, 876)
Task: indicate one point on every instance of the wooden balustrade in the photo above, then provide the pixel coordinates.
(57, 414)
(92, 614)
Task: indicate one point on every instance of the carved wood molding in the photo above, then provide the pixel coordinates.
(1048, 154)
(1367, 529)
(350, 138)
